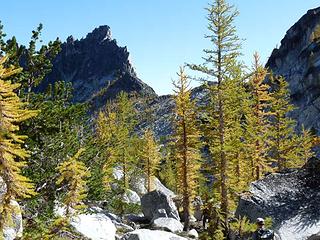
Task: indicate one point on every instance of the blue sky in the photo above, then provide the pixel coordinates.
(160, 35)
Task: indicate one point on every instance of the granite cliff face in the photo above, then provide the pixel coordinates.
(298, 60)
(97, 67)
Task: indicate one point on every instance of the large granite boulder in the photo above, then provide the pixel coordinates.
(154, 202)
(193, 234)
(131, 197)
(146, 234)
(15, 230)
(167, 224)
(95, 223)
(298, 60)
(315, 237)
(138, 183)
(136, 218)
(291, 198)
(95, 226)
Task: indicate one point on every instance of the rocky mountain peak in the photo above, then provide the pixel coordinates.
(100, 33)
(298, 60)
(97, 68)
(302, 34)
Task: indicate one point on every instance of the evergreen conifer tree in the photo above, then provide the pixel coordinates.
(36, 63)
(168, 172)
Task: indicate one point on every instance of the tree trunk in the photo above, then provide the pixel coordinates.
(186, 199)
(257, 172)
(278, 157)
(223, 160)
(149, 176)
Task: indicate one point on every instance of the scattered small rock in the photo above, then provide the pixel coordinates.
(193, 233)
(146, 234)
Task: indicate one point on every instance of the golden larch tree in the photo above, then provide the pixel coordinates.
(150, 157)
(283, 140)
(73, 174)
(187, 144)
(257, 124)
(12, 154)
(223, 114)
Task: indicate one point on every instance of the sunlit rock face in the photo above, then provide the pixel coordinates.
(292, 199)
(97, 68)
(298, 60)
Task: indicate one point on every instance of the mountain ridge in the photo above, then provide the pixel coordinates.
(96, 66)
(99, 69)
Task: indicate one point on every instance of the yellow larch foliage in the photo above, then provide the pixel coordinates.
(151, 157)
(73, 174)
(12, 154)
(257, 122)
(187, 144)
